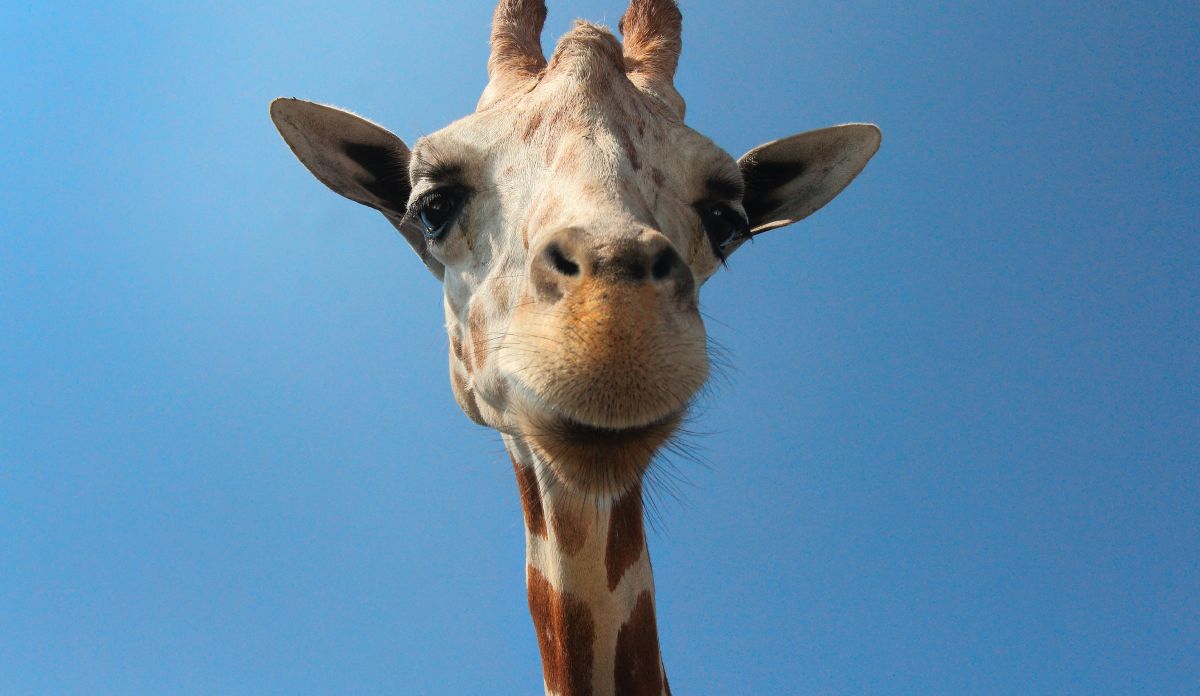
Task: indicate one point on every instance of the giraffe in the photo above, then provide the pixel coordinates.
(572, 219)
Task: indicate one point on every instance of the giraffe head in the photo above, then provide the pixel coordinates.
(573, 219)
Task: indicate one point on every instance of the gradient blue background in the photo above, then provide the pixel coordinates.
(957, 452)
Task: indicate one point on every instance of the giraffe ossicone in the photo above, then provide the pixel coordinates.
(573, 218)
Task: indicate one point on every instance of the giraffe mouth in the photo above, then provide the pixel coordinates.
(567, 428)
(595, 460)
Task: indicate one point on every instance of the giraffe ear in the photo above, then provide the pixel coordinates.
(355, 158)
(787, 180)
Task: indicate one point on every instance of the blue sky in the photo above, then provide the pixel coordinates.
(957, 452)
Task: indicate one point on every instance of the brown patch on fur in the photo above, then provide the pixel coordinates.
(478, 330)
(565, 631)
(531, 128)
(628, 145)
(638, 665)
(531, 498)
(571, 525)
(626, 536)
(559, 123)
(501, 292)
(569, 156)
(456, 347)
(465, 397)
(658, 177)
(558, 119)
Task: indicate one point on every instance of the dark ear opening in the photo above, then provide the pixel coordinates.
(355, 158)
(787, 180)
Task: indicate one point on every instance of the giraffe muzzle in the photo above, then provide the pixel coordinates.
(607, 353)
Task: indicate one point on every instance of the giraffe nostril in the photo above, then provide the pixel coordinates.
(665, 264)
(559, 261)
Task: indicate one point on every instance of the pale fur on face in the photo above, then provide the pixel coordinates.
(583, 148)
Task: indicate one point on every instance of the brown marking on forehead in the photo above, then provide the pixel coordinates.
(565, 632)
(626, 537)
(531, 498)
(558, 121)
(569, 155)
(627, 144)
(658, 177)
(637, 668)
(532, 126)
(571, 526)
(478, 329)
(465, 396)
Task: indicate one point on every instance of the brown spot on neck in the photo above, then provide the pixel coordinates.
(637, 669)
(626, 536)
(571, 520)
(531, 498)
(565, 633)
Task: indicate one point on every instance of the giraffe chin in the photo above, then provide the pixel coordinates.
(592, 461)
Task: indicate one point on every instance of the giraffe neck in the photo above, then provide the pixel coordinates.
(591, 588)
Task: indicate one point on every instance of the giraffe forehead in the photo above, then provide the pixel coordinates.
(568, 120)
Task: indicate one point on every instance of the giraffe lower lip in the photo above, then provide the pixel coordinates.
(582, 433)
(595, 460)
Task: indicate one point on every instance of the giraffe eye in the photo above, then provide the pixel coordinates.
(722, 224)
(437, 209)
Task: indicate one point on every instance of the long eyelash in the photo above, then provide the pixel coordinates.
(720, 254)
(727, 185)
(431, 164)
